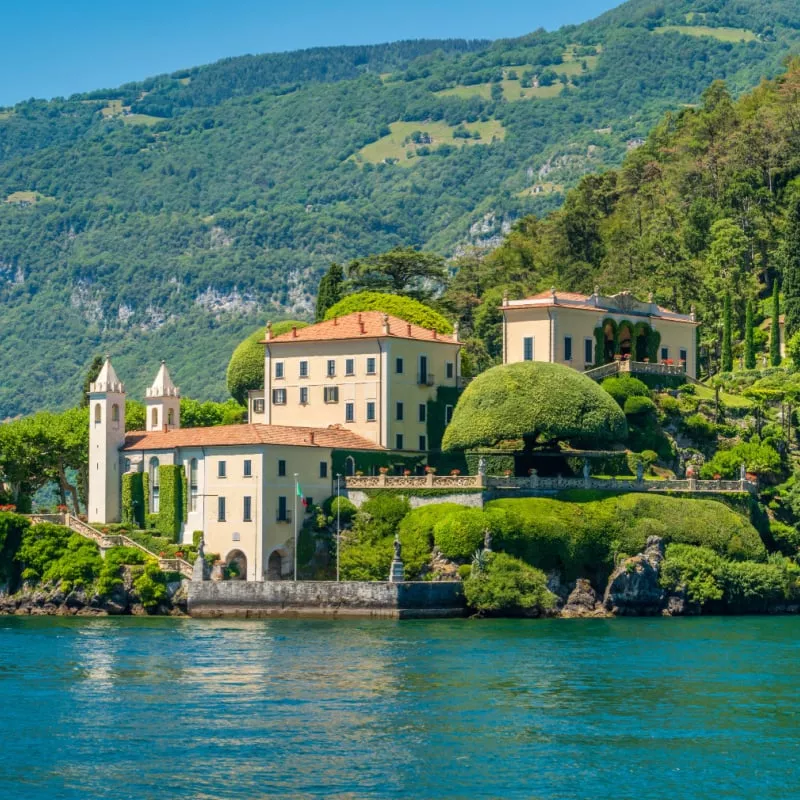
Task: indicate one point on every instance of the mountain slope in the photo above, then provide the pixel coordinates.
(164, 218)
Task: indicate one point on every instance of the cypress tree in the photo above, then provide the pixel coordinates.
(330, 290)
(775, 329)
(791, 268)
(749, 347)
(727, 336)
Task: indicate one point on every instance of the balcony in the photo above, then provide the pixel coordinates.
(425, 379)
(283, 516)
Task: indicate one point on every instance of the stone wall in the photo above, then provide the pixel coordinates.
(469, 499)
(325, 599)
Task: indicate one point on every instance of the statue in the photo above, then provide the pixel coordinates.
(742, 472)
(397, 570)
(487, 540)
(586, 469)
(482, 465)
(397, 548)
(199, 569)
(201, 548)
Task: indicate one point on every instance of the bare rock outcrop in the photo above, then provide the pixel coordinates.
(633, 588)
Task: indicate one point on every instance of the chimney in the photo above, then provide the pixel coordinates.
(361, 324)
(294, 331)
(359, 316)
(455, 332)
(269, 331)
(335, 320)
(408, 328)
(434, 333)
(386, 324)
(165, 428)
(311, 437)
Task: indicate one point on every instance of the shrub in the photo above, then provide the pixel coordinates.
(151, 585)
(416, 534)
(12, 528)
(367, 561)
(636, 406)
(507, 584)
(380, 516)
(246, 367)
(759, 458)
(700, 429)
(404, 308)
(533, 401)
(115, 558)
(341, 505)
(464, 571)
(459, 535)
(786, 537)
(696, 570)
(623, 387)
(669, 405)
(752, 587)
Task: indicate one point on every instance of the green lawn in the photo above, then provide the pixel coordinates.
(112, 109)
(512, 90)
(141, 119)
(483, 90)
(731, 400)
(723, 34)
(395, 146)
(26, 197)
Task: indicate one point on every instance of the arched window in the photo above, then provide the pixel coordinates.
(154, 419)
(154, 488)
(98, 413)
(115, 415)
(193, 484)
(350, 466)
(171, 418)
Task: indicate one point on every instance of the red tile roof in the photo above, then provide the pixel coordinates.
(559, 295)
(361, 325)
(254, 434)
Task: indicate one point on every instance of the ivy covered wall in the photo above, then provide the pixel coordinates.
(170, 508)
(133, 499)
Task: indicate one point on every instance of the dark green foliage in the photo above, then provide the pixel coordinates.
(460, 534)
(380, 516)
(12, 527)
(694, 570)
(330, 290)
(623, 387)
(402, 270)
(342, 507)
(498, 462)
(110, 577)
(416, 534)
(151, 585)
(699, 428)
(507, 585)
(749, 347)
(758, 458)
(727, 335)
(775, 329)
(535, 401)
(133, 499)
(195, 414)
(639, 407)
(790, 253)
(91, 377)
(170, 507)
(246, 367)
(405, 308)
(755, 588)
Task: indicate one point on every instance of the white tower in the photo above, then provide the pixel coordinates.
(106, 437)
(163, 403)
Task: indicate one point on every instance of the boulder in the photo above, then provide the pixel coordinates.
(582, 601)
(633, 588)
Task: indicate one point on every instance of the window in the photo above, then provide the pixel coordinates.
(423, 371)
(398, 366)
(449, 369)
(682, 355)
(258, 406)
(422, 412)
(115, 413)
(567, 348)
(399, 411)
(281, 468)
(448, 414)
(587, 351)
(664, 353)
(98, 414)
(398, 441)
(279, 369)
(283, 514)
(323, 469)
(247, 510)
(154, 419)
(349, 412)
(423, 443)
(370, 366)
(304, 395)
(154, 485)
(220, 509)
(370, 411)
(193, 485)
(350, 366)
(309, 504)
(279, 397)
(331, 367)
(527, 348)
(331, 394)
(248, 468)
(171, 418)
(304, 369)
(222, 469)
(236, 536)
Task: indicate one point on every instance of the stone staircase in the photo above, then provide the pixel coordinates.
(638, 368)
(107, 540)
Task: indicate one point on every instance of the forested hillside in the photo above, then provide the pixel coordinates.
(165, 219)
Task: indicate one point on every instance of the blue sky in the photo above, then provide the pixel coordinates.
(57, 47)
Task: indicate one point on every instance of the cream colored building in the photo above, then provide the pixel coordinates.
(586, 331)
(240, 479)
(372, 374)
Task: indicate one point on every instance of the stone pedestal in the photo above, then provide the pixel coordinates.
(397, 572)
(199, 570)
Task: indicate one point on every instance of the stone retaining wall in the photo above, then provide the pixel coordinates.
(410, 600)
(469, 499)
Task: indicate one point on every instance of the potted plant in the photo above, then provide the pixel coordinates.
(507, 473)
(383, 470)
(406, 472)
(429, 470)
(359, 473)
(455, 472)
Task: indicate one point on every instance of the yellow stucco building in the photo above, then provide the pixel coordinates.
(586, 331)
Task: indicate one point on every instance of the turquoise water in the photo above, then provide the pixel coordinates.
(174, 709)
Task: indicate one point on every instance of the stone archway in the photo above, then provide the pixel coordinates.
(277, 565)
(237, 565)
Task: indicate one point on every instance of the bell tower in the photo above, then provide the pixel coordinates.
(106, 437)
(163, 403)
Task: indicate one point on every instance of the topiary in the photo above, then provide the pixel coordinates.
(459, 535)
(535, 401)
(246, 367)
(405, 308)
(639, 406)
(345, 509)
(622, 387)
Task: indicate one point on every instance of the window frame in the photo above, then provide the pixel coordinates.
(222, 510)
(303, 368)
(247, 508)
(222, 468)
(371, 411)
(399, 442)
(247, 468)
(567, 348)
(280, 372)
(423, 442)
(279, 397)
(526, 341)
(399, 366)
(330, 368)
(422, 412)
(258, 405)
(330, 394)
(281, 467)
(349, 367)
(399, 411)
(323, 469)
(349, 411)
(588, 350)
(374, 361)
(304, 395)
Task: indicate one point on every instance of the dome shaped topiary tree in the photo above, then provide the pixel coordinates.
(535, 401)
(403, 307)
(246, 367)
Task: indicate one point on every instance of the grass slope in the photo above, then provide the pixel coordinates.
(723, 34)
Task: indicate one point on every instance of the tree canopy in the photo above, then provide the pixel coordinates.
(403, 269)
(538, 402)
(403, 307)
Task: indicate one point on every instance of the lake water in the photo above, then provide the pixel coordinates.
(174, 709)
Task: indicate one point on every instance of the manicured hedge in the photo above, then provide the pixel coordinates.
(507, 585)
(533, 400)
(170, 504)
(623, 387)
(403, 307)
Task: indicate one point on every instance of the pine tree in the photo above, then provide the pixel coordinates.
(791, 268)
(90, 378)
(727, 337)
(749, 347)
(775, 330)
(330, 290)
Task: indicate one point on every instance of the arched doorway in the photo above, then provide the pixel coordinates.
(609, 340)
(237, 565)
(625, 339)
(642, 339)
(277, 565)
(350, 466)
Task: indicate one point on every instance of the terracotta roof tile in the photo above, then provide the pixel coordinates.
(559, 296)
(360, 325)
(254, 434)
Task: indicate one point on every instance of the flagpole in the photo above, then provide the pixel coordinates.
(296, 476)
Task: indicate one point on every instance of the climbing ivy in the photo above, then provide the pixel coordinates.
(170, 506)
(133, 499)
(185, 494)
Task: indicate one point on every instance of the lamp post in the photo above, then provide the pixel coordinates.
(338, 521)
(296, 476)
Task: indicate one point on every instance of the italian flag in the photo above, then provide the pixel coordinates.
(300, 492)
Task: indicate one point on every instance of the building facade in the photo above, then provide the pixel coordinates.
(585, 331)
